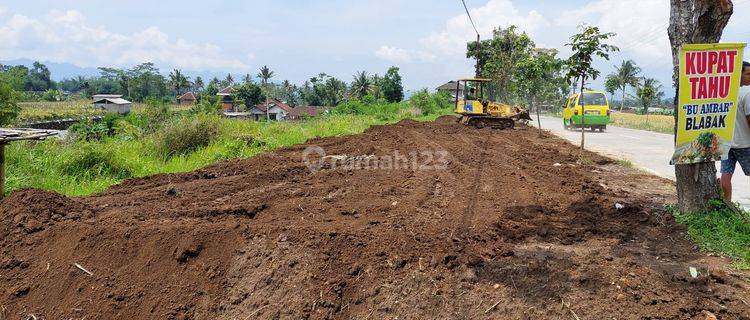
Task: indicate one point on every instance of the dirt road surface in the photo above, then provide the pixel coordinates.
(493, 224)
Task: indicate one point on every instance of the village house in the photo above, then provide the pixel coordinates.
(278, 110)
(187, 99)
(227, 98)
(112, 103)
(452, 88)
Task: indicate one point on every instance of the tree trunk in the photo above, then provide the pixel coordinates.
(695, 21)
(2, 169)
(583, 116)
(622, 102)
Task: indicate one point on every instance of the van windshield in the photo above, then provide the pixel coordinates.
(593, 99)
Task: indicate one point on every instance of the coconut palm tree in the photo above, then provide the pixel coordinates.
(361, 84)
(627, 73)
(648, 92)
(611, 85)
(198, 84)
(178, 81)
(265, 74)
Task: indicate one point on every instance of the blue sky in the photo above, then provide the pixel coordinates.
(299, 39)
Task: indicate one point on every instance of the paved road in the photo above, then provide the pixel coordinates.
(647, 150)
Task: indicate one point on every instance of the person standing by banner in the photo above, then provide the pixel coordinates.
(740, 146)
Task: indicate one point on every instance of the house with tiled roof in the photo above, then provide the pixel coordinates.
(187, 99)
(278, 110)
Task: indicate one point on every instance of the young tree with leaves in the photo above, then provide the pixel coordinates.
(586, 45)
(536, 77)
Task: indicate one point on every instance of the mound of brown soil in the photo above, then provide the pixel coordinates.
(412, 220)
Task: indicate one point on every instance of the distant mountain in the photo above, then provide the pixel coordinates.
(59, 71)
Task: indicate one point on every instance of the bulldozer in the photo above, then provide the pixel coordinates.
(475, 102)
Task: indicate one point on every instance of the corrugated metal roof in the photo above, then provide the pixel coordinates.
(113, 101)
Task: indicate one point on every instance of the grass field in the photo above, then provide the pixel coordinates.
(43, 110)
(75, 166)
(656, 123)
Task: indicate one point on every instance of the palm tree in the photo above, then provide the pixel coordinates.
(627, 73)
(649, 91)
(198, 84)
(265, 74)
(247, 78)
(361, 84)
(612, 84)
(178, 81)
(228, 81)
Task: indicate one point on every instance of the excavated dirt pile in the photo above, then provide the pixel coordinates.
(409, 221)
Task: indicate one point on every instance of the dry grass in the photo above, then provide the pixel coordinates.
(657, 123)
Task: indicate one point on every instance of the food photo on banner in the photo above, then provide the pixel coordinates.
(709, 86)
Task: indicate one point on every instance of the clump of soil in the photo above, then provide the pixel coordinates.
(478, 224)
(30, 211)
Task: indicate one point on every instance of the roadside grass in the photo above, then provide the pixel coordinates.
(77, 167)
(655, 123)
(625, 163)
(721, 230)
(652, 122)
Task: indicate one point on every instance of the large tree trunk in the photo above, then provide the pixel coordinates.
(695, 21)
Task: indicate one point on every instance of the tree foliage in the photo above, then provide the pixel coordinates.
(586, 45)
(9, 108)
(249, 93)
(626, 75)
(390, 85)
(649, 92)
(539, 77)
(499, 59)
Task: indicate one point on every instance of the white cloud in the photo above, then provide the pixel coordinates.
(394, 54)
(251, 56)
(640, 25)
(496, 13)
(66, 36)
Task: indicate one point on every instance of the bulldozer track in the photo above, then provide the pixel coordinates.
(461, 233)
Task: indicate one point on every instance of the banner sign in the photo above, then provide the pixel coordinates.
(709, 86)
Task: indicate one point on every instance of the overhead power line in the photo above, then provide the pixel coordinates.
(470, 19)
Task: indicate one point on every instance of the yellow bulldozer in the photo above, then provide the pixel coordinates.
(477, 105)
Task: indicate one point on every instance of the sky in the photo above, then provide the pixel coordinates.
(298, 39)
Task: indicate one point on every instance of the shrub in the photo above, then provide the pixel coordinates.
(187, 135)
(9, 108)
(428, 103)
(94, 161)
(206, 106)
(88, 129)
